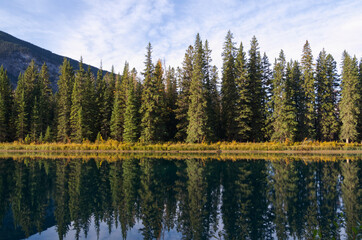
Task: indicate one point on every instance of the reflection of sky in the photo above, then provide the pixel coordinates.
(116, 233)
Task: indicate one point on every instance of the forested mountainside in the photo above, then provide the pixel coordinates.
(16, 54)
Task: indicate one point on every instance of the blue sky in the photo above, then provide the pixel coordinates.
(118, 30)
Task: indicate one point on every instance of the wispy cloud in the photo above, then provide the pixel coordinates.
(115, 31)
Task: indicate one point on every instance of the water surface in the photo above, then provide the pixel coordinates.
(190, 198)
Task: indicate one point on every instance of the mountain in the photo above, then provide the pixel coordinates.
(16, 54)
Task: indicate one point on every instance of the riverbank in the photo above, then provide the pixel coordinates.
(219, 147)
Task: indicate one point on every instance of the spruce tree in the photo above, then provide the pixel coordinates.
(35, 128)
(309, 90)
(284, 112)
(45, 99)
(106, 106)
(229, 94)
(183, 98)
(5, 106)
(254, 69)
(21, 120)
(64, 101)
(244, 112)
(116, 123)
(170, 99)
(76, 118)
(350, 98)
(326, 100)
(131, 115)
(211, 95)
(267, 76)
(198, 130)
(298, 98)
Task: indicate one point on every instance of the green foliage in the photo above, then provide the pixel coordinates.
(309, 91)
(64, 101)
(5, 106)
(131, 121)
(350, 99)
(229, 93)
(198, 130)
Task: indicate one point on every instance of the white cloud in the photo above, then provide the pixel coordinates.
(115, 31)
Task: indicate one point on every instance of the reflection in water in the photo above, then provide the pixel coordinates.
(188, 199)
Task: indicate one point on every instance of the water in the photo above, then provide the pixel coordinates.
(191, 198)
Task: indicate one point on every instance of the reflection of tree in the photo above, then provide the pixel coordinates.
(182, 196)
(116, 183)
(75, 171)
(328, 199)
(351, 192)
(196, 187)
(151, 200)
(6, 185)
(245, 203)
(61, 197)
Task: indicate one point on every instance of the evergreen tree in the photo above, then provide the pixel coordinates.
(45, 99)
(153, 102)
(5, 106)
(197, 130)
(254, 69)
(211, 95)
(298, 96)
(243, 108)
(106, 106)
(131, 115)
(64, 101)
(284, 106)
(350, 98)
(76, 118)
(35, 128)
(89, 106)
(267, 76)
(170, 99)
(229, 94)
(183, 98)
(21, 122)
(116, 123)
(309, 90)
(99, 98)
(326, 101)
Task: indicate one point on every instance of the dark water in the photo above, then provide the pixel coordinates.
(152, 198)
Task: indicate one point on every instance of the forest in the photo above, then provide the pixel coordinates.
(251, 101)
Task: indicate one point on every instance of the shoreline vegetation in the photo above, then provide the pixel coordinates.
(113, 146)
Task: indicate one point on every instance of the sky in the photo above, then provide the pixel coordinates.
(115, 31)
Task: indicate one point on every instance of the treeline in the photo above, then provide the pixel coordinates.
(292, 101)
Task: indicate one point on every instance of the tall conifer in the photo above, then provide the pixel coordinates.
(5, 106)
(64, 100)
(229, 93)
(198, 130)
(350, 98)
(309, 90)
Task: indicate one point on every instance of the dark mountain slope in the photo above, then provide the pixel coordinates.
(16, 54)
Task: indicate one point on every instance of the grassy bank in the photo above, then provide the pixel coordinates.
(112, 145)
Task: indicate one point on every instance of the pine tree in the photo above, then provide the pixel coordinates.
(298, 98)
(64, 101)
(21, 122)
(350, 98)
(211, 95)
(116, 123)
(243, 108)
(107, 105)
(284, 111)
(45, 99)
(5, 106)
(267, 76)
(131, 115)
(197, 130)
(99, 98)
(309, 90)
(326, 100)
(229, 94)
(76, 118)
(35, 128)
(170, 99)
(89, 108)
(183, 98)
(254, 69)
